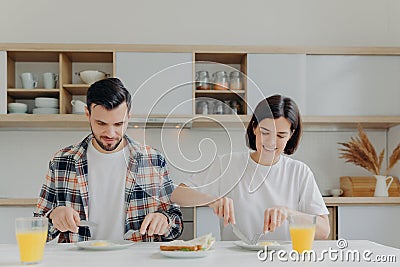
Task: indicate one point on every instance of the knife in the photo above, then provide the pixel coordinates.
(240, 235)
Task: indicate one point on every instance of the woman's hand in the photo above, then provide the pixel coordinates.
(223, 208)
(274, 217)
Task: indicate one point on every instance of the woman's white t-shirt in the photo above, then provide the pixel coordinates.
(255, 187)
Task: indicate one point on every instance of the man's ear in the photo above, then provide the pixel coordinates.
(87, 113)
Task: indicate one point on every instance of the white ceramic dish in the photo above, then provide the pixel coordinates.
(45, 111)
(187, 254)
(104, 244)
(46, 102)
(17, 107)
(278, 245)
(91, 76)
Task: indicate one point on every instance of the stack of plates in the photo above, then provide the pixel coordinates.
(46, 105)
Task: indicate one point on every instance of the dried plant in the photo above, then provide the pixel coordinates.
(360, 151)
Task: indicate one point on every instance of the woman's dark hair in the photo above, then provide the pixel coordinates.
(274, 107)
(109, 93)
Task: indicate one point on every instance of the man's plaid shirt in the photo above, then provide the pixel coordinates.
(147, 189)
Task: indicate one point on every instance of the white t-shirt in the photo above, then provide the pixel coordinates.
(106, 183)
(255, 187)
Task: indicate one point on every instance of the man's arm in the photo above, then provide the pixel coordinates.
(47, 201)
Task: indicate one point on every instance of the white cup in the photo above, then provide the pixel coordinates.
(29, 80)
(336, 192)
(49, 80)
(78, 107)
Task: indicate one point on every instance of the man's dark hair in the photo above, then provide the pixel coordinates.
(274, 107)
(108, 93)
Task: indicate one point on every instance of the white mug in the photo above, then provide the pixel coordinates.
(78, 107)
(29, 80)
(49, 80)
(336, 192)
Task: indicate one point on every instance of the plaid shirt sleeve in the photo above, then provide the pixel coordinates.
(169, 209)
(47, 201)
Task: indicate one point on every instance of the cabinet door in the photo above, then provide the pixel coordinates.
(275, 74)
(374, 223)
(7, 222)
(353, 85)
(160, 83)
(3, 82)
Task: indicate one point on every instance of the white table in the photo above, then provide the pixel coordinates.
(147, 254)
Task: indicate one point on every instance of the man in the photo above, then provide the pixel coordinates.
(109, 179)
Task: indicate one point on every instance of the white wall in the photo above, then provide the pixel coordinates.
(258, 22)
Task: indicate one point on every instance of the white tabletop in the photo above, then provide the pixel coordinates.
(224, 254)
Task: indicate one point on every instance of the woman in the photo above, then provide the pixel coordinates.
(260, 188)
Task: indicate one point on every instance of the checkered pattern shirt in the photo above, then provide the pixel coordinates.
(147, 190)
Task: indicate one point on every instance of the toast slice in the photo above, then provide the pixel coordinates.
(201, 243)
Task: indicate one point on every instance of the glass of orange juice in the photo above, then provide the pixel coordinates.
(31, 236)
(302, 231)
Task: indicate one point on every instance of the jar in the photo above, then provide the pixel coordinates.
(234, 106)
(220, 80)
(202, 80)
(219, 108)
(202, 107)
(235, 81)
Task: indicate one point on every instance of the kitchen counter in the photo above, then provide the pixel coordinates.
(329, 201)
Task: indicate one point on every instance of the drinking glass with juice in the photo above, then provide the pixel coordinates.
(302, 231)
(31, 236)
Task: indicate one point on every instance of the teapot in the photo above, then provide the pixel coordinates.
(381, 188)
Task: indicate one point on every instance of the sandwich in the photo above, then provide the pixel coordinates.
(204, 242)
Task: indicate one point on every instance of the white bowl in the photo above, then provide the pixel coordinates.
(91, 76)
(46, 102)
(17, 107)
(45, 111)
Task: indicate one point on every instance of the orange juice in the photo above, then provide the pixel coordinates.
(302, 237)
(31, 245)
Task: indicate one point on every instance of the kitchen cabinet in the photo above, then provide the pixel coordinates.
(375, 223)
(270, 74)
(228, 98)
(160, 83)
(64, 63)
(352, 85)
(161, 79)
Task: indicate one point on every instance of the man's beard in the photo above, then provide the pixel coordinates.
(107, 147)
(103, 146)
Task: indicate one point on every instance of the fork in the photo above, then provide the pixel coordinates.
(256, 238)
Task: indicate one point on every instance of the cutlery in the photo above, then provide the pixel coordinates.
(239, 234)
(87, 223)
(130, 233)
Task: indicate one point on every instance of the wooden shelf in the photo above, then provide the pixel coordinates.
(350, 122)
(21, 202)
(43, 121)
(66, 121)
(32, 93)
(76, 89)
(210, 92)
(339, 201)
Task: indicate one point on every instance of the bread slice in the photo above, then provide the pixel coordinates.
(200, 243)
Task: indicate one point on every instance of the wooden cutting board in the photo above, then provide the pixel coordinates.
(364, 186)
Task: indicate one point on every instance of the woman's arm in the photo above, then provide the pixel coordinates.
(188, 197)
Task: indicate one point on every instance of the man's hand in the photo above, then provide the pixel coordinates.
(274, 217)
(223, 208)
(155, 223)
(65, 219)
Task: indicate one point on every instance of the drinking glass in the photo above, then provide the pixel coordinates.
(302, 231)
(31, 233)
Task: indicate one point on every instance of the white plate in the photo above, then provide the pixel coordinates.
(279, 245)
(187, 254)
(104, 244)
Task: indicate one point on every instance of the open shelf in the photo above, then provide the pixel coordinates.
(76, 89)
(211, 92)
(32, 93)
